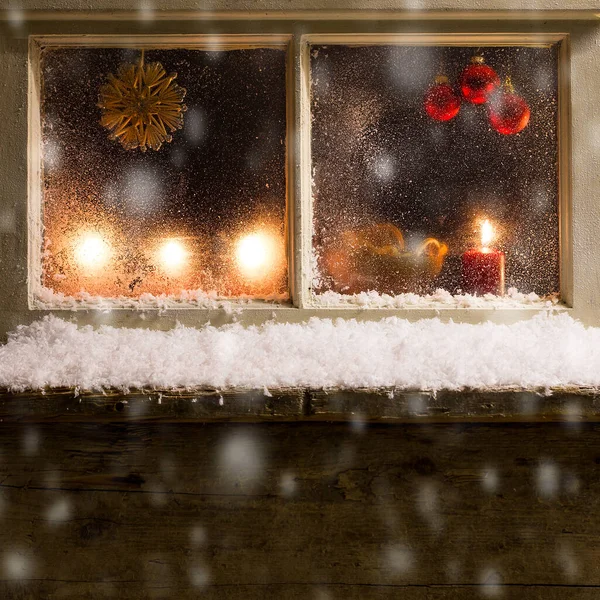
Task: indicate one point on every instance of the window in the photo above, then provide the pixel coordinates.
(400, 193)
(187, 199)
(393, 181)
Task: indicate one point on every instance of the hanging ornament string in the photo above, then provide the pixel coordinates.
(142, 105)
(508, 112)
(478, 81)
(441, 102)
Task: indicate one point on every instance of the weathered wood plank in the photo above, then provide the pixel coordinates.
(113, 405)
(346, 510)
(131, 590)
(570, 405)
(469, 405)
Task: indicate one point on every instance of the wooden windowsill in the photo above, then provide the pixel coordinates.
(570, 405)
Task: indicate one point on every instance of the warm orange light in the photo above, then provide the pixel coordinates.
(173, 255)
(487, 233)
(256, 254)
(91, 251)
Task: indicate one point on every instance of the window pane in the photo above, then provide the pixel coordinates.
(401, 195)
(204, 212)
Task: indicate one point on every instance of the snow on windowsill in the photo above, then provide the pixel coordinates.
(47, 299)
(438, 300)
(547, 351)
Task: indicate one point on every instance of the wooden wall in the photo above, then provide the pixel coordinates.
(143, 508)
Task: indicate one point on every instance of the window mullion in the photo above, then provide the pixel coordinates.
(298, 170)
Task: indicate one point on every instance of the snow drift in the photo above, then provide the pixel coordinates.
(549, 350)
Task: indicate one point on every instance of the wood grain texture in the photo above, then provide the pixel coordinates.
(299, 510)
(573, 404)
(292, 404)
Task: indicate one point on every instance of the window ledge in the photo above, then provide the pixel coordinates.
(571, 405)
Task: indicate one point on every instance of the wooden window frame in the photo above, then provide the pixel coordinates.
(299, 220)
(140, 42)
(460, 40)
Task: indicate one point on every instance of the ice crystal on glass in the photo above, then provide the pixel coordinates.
(387, 178)
(119, 223)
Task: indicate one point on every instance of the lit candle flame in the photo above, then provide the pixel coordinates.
(255, 254)
(487, 233)
(91, 251)
(173, 255)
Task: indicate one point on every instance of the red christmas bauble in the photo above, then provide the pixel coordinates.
(478, 81)
(509, 113)
(441, 103)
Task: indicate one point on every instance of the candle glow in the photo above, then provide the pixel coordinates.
(487, 234)
(483, 267)
(91, 251)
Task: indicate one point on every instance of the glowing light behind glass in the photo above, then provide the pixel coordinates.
(487, 233)
(91, 251)
(256, 254)
(173, 256)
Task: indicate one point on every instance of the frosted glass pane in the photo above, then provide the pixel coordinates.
(204, 212)
(387, 177)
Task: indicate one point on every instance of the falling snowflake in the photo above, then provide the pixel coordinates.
(140, 104)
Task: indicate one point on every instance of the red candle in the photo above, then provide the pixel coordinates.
(483, 268)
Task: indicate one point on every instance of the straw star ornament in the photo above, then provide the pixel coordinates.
(142, 106)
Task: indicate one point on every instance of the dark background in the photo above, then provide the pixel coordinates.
(378, 157)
